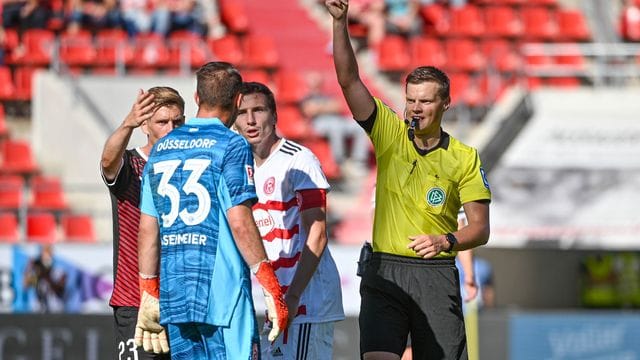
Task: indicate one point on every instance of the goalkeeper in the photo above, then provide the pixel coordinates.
(197, 229)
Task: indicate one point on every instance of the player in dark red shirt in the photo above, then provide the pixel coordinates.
(156, 111)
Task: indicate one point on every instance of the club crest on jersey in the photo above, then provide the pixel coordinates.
(249, 170)
(436, 196)
(269, 185)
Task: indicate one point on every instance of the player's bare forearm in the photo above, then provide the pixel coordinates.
(245, 234)
(148, 245)
(314, 220)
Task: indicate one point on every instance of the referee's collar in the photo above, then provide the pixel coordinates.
(443, 143)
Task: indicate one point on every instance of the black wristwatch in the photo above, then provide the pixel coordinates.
(452, 241)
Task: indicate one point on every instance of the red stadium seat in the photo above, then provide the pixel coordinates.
(47, 194)
(188, 47)
(11, 40)
(9, 228)
(502, 55)
(426, 51)
(467, 20)
(260, 52)
(322, 150)
(234, 15)
(150, 52)
(17, 158)
(539, 23)
(227, 49)
(291, 86)
(292, 125)
(630, 23)
(78, 227)
(38, 46)
(23, 77)
(503, 21)
(393, 54)
(11, 192)
(436, 19)
(42, 228)
(260, 76)
(112, 47)
(464, 55)
(76, 49)
(573, 25)
(7, 87)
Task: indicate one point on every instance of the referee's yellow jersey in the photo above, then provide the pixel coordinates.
(419, 194)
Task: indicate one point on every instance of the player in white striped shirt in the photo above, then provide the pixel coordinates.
(291, 217)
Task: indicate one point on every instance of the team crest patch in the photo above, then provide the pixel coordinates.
(249, 170)
(436, 196)
(269, 185)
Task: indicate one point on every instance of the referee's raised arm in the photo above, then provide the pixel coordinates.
(355, 92)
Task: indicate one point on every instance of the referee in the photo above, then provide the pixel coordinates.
(410, 286)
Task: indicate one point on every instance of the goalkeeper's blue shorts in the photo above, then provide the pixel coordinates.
(240, 340)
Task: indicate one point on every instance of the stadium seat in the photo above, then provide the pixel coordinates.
(11, 40)
(226, 48)
(23, 80)
(188, 47)
(257, 75)
(78, 228)
(11, 192)
(260, 52)
(464, 55)
(501, 54)
(9, 228)
(38, 46)
(42, 228)
(17, 158)
(7, 87)
(4, 130)
(112, 48)
(292, 125)
(630, 23)
(291, 86)
(76, 49)
(539, 24)
(573, 26)
(467, 20)
(322, 150)
(150, 52)
(503, 21)
(563, 81)
(426, 51)
(435, 19)
(47, 194)
(393, 54)
(234, 16)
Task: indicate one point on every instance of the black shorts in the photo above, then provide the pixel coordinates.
(401, 296)
(125, 319)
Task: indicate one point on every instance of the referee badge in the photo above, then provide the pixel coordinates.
(436, 196)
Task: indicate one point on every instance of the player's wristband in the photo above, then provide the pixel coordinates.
(150, 284)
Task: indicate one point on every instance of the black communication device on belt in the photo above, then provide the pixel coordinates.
(365, 256)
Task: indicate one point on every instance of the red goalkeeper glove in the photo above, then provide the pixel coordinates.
(149, 333)
(273, 296)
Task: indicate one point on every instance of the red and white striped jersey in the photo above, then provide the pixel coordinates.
(290, 168)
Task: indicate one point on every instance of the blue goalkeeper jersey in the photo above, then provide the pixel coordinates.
(193, 176)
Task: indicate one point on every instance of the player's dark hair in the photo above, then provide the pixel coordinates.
(430, 73)
(166, 96)
(218, 83)
(259, 88)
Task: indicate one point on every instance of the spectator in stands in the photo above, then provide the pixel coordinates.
(187, 15)
(325, 112)
(211, 12)
(141, 16)
(25, 14)
(156, 112)
(95, 14)
(49, 282)
(402, 17)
